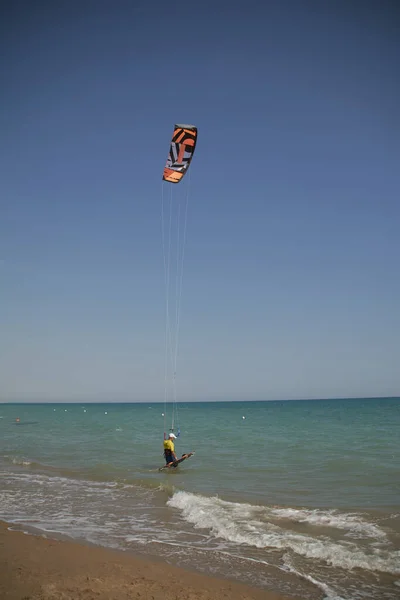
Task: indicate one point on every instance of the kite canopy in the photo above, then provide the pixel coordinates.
(181, 152)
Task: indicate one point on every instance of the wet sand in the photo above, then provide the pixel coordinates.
(37, 568)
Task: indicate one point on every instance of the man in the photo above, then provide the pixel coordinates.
(169, 449)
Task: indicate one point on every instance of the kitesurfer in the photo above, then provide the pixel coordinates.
(169, 449)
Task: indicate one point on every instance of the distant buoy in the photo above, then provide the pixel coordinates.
(84, 410)
(106, 413)
(162, 414)
(243, 417)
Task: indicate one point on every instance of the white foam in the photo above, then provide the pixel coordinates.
(21, 462)
(246, 524)
(330, 594)
(353, 523)
(77, 508)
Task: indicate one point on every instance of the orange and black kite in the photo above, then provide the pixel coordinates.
(181, 152)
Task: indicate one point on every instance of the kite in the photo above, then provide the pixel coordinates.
(181, 152)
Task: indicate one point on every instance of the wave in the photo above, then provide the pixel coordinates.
(98, 473)
(329, 593)
(352, 523)
(22, 462)
(252, 526)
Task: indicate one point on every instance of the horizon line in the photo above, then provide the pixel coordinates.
(11, 402)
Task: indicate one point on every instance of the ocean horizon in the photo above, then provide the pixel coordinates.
(212, 400)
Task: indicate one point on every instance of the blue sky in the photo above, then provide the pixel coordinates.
(291, 284)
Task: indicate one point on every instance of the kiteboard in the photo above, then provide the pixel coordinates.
(176, 462)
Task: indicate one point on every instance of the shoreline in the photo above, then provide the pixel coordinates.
(33, 567)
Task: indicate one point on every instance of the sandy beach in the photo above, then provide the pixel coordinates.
(38, 568)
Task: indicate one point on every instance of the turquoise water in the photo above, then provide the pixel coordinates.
(298, 496)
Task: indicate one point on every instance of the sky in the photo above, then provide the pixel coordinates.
(291, 281)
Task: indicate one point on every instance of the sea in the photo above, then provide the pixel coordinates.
(300, 497)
